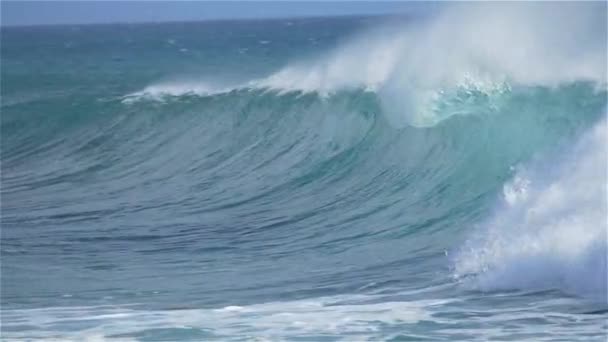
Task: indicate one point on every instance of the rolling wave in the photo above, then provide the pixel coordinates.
(406, 165)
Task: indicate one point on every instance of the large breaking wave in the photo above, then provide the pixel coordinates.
(529, 70)
(371, 162)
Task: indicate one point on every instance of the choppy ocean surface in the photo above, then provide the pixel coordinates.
(328, 179)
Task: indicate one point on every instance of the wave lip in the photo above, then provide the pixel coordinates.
(410, 66)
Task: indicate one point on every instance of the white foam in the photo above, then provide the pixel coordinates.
(164, 90)
(551, 230)
(273, 321)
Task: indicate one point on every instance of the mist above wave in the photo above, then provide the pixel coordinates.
(466, 47)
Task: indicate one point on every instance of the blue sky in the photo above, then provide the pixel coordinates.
(17, 12)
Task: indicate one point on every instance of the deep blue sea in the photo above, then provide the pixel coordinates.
(317, 179)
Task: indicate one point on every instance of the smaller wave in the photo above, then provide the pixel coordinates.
(550, 231)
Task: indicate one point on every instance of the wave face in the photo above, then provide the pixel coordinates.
(316, 179)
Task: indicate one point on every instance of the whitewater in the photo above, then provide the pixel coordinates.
(432, 177)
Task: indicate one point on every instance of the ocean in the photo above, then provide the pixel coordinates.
(439, 177)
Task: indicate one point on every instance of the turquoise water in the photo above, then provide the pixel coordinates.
(307, 179)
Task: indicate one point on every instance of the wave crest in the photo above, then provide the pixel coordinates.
(411, 65)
